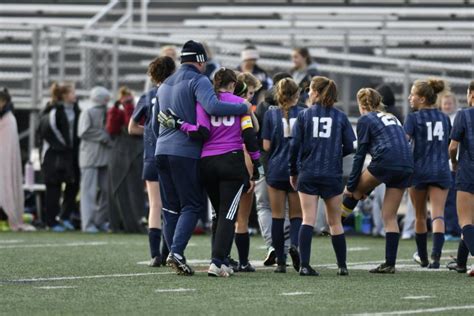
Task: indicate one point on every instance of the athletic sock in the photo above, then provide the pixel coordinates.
(421, 245)
(340, 248)
(164, 250)
(463, 254)
(468, 236)
(154, 239)
(295, 224)
(278, 238)
(438, 242)
(305, 238)
(349, 204)
(217, 262)
(391, 248)
(242, 241)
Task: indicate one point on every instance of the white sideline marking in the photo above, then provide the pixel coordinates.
(295, 293)
(358, 249)
(421, 297)
(10, 241)
(71, 244)
(56, 287)
(174, 290)
(100, 276)
(417, 311)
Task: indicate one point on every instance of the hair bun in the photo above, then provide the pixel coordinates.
(437, 85)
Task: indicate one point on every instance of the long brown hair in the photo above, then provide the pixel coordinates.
(370, 100)
(223, 77)
(304, 52)
(429, 89)
(327, 90)
(286, 92)
(161, 68)
(58, 91)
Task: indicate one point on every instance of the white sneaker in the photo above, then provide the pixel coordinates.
(227, 269)
(215, 271)
(406, 236)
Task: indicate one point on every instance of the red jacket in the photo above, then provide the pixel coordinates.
(119, 117)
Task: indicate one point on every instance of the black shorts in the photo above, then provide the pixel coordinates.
(465, 187)
(281, 185)
(399, 179)
(150, 171)
(326, 188)
(443, 185)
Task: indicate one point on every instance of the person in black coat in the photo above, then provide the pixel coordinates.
(59, 148)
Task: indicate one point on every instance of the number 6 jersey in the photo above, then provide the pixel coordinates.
(429, 130)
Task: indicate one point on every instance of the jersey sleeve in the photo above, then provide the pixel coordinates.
(140, 111)
(202, 122)
(457, 133)
(246, 122)
(348, 137)
(409, 125)
(363, 131)
(267, 126)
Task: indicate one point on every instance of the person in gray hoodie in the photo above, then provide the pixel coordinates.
(94, 155)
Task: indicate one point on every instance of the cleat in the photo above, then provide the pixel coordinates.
(470, 272)
(308, 271)
(295, 257)
(155, 262)
(270, 258)
(281, 268)
(422, 263)
(68, 225)
(384, 268)
(215, 271)
(453, 265)
(227, 269)
(434, 262)
(58, 228)
(232, 263)
(342, 271)
(178, 264)
(246, 268)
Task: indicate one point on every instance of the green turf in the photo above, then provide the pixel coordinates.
(60, 255)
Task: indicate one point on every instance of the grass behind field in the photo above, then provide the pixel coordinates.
(118, 285)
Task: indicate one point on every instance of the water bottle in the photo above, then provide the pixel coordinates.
(366, 224)
(358, 221)
(29, 174)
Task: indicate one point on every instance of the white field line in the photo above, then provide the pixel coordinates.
(59, 287)
(10, 241)
(71, 244)
(296, 293)
(358, 249)
(174, 290)
(84, 277)
(421, 297)
(418, 311)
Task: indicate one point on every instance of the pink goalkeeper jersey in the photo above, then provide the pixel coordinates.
(225, 132)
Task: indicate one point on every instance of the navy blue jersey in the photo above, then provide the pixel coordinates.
(321, 137)
(429, 131)
(144, 111)
(463, 132)
(277, 130)
(388, 144)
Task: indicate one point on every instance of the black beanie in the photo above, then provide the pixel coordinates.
(193, 52)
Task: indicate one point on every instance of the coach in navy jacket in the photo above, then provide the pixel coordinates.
(178, 155)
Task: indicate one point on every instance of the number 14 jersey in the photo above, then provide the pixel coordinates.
(429, 131)
(388, 144)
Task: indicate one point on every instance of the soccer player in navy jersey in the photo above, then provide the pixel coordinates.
(382, 135)
(322, 136)
(462, 138)
(428, 129)
(142, 123)
(277, 125)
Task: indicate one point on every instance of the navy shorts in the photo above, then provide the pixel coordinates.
(399, 179)
(465, 187)
(150, 171)
(325, 188)
(443, 185)
(281, 185)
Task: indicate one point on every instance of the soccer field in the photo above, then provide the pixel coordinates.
(44, 273)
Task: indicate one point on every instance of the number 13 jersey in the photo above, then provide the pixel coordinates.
(429, 131)
(388, 144)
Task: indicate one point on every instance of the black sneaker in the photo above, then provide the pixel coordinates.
(435, 262)
(178, 264)
(342, 271)
(232, 263)
(422, 262)
(155, 262)
(453, 265)
(383, 268)
(281, 268)
(270, 258)
(295, 257)
(308, 271)
(246, 268)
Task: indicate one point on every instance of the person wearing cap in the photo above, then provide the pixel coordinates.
(178, 155)
(94, 155)
(249, 57)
